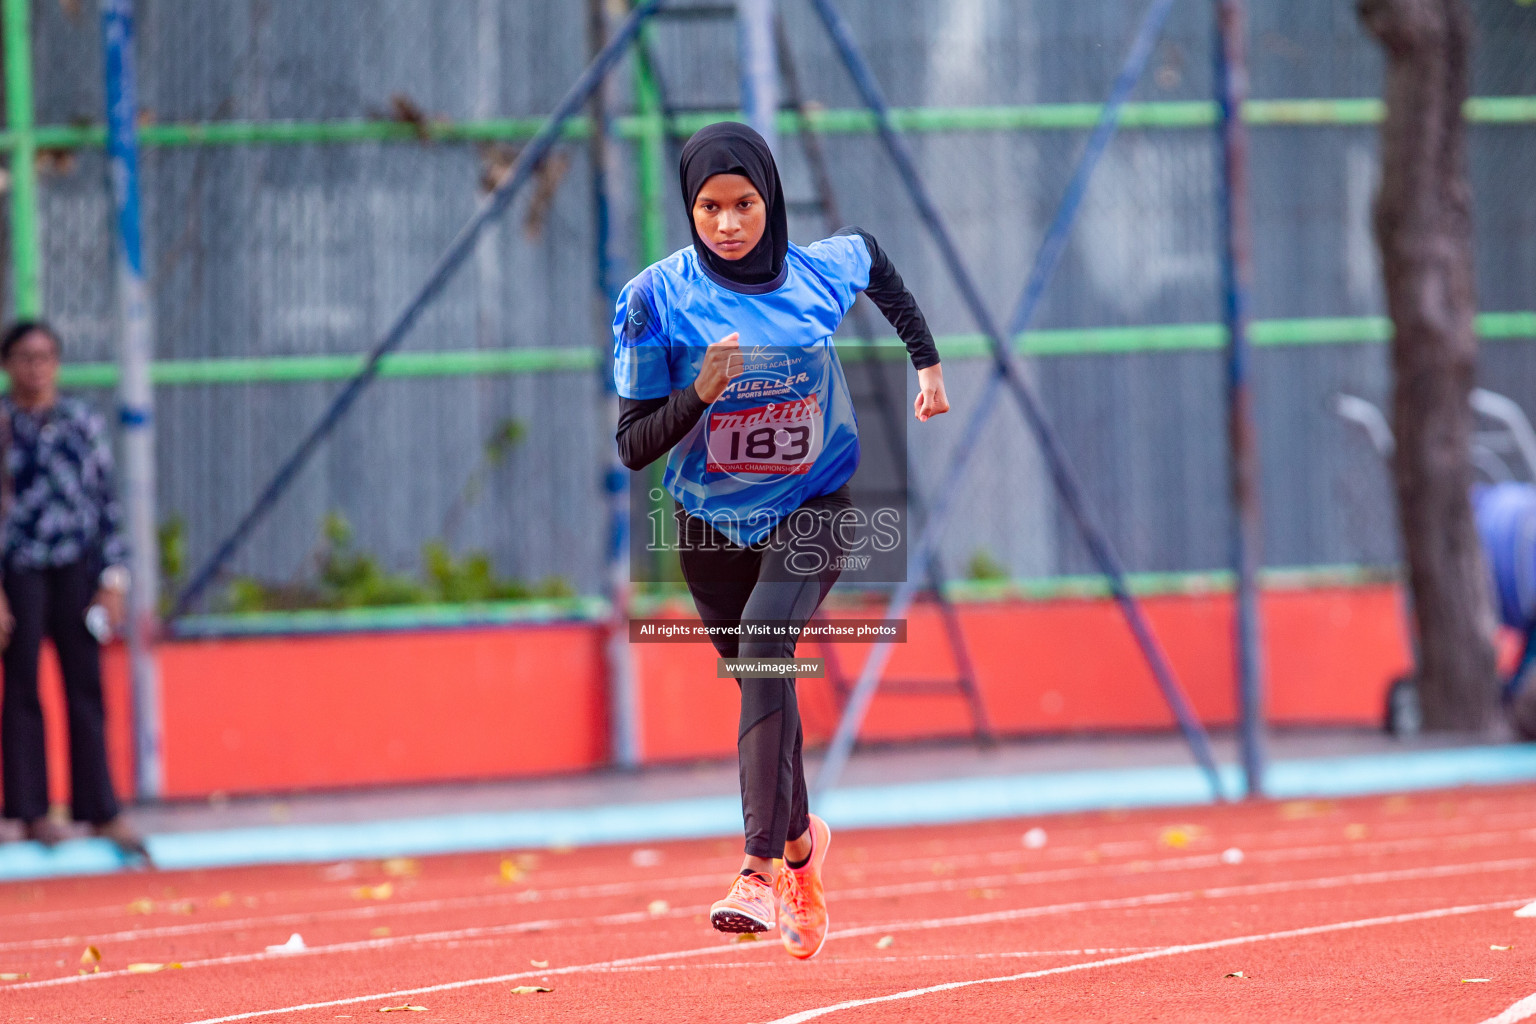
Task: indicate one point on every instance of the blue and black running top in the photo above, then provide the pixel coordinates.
(784, 431)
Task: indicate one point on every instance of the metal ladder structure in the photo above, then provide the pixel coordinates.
(823, 203)
(892, 413)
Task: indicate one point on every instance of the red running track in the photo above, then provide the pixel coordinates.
(1375, 909)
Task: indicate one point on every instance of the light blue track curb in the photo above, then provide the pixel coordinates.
(951, 800)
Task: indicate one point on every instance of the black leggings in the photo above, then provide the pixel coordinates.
(782, 579)
(52, 602)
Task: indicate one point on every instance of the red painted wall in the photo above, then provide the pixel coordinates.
(1069, 665)
(362, 709)
(286, 713)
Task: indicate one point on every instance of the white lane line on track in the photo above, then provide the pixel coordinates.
(1195, 947)
(1519, 825)
(610, 965)
(473, 982)
(1522, 1010)
(371, 910)
(1518, 821)
(920, 958)
(1215, 892)
(993, 917)
(424, 938)
(1148, 867)
(375, 911)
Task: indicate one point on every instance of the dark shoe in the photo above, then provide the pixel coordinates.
(46, 831)
(123, 836)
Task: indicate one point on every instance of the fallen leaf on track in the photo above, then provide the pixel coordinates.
(1294, 810)
(541, 964)
(886, 942)
(1474, 981)
(528, 990)
(1355, 831)
(152, 968)
(143, 905)
(382, 931)
(382, 891)
(1177, 837)
(1501, 948)
(399, 1009)
(510, 872)
(223, 899)
(658, 907)
(15, 977)
(92, 955)
(745, 937)
(402, 867)
(1238, 974)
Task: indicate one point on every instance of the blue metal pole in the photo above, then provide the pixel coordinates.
(1008, 369)
(759, 67)
(624, 725)
(1236, 279)
(136, 396)
(522, 169)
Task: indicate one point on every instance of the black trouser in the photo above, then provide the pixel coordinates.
(781, 579)
(52, 602)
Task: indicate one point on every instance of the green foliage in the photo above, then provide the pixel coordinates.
(172, 537)
(354, 579)
(497, 449)
(983, 566)
(349, 578)
(509, 433)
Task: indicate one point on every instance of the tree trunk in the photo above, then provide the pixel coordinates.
(1423, 226)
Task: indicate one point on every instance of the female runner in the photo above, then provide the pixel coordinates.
(724, 358)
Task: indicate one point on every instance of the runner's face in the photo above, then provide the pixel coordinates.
(729, 215)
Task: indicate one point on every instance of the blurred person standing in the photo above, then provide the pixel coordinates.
(62, 555)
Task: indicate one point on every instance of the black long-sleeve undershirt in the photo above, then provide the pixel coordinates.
(650, 427)
(896, 303)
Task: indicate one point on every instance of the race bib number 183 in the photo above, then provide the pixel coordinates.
(781, 438)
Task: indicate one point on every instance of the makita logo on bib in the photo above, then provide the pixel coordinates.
(766, 415)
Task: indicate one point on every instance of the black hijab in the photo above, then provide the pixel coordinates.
(731, 148)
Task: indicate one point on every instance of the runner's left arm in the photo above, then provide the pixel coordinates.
(896, 303)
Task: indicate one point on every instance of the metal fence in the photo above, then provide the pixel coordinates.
(305, 163)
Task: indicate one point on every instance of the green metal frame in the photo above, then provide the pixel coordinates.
(22, 146)
(649, 129)
(661, 596)
(648, 125)
(1079, 341)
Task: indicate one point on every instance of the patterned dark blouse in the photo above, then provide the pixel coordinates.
(65, 506)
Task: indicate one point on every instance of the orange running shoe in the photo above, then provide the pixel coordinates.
(748, 907)
(802, 902)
